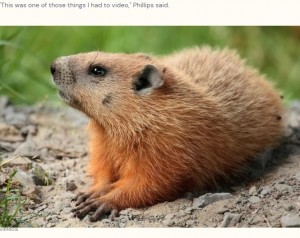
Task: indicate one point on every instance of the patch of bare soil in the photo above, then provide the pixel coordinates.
(48, 148)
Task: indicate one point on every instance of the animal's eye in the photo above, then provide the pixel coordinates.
(97, 70)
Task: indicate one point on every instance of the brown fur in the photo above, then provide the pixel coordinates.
(211, 115)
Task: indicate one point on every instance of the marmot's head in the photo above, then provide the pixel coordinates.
(109, 85)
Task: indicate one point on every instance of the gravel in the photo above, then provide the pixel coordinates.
(230, 220)
(58, 137)
(290, 220)
(254, 199)
(209, 198)
(253, 190)
(71, 186)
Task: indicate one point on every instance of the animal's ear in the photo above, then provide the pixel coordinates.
(150, 78)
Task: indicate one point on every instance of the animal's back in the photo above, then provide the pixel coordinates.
(248, 101)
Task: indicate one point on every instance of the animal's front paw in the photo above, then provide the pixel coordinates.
(86, 204)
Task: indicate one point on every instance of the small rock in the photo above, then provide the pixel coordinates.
(181, 214)
(71, 186)
(284, 188)
(58, 207)
(168, 222)
(7, 146)
(41, 208)
(122, 225)
(266, 190)
(253, 191)
(281, 181)
(54, 220)
(125, 212)
(209, 198)
(9, 133)
(222, 210)
(297, 176)
(18, 160)
(51, 218)
(169, 216)
(290, 220)
(18, 119)
(48, 225)
(190, 222)
(254, 199)
(40, 222)
(28, 149)
(288, 207)
(51, 188)
(34, 194)
(24, 179)
(230, 220)
(188, 211)
(67, 210)
(29, 130)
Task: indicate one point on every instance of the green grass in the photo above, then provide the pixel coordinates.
(11, 205)
(26, 52)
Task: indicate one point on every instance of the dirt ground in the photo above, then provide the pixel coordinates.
(48, 148)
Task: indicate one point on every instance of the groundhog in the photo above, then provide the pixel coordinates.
(162, 126)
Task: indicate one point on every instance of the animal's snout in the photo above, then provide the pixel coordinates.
(61, 72)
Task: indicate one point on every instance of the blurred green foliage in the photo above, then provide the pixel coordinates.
(26, 52)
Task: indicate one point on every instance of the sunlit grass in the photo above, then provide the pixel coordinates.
(26, 52)
(11, 205)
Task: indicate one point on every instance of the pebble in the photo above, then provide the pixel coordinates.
(209, 198)
(122, 225)
(253, 191)
(35, 193)
(290, 220)
(230, 220)
(181, 214)
(58, 207)
(40, 222)
(71, 186)
(266, 190)
(9, 133)
(168, 222)
(125, 212)
(29, 130)
(28, 149)
(18, 119)
(41, 208)
(24, 179)
(169, 216)
(190, 222)
(288, 207)
(50, 225)
(188, 211)
(222, 210)
(297, 176)
(254, 199)
(67, 209)
(283, 188)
